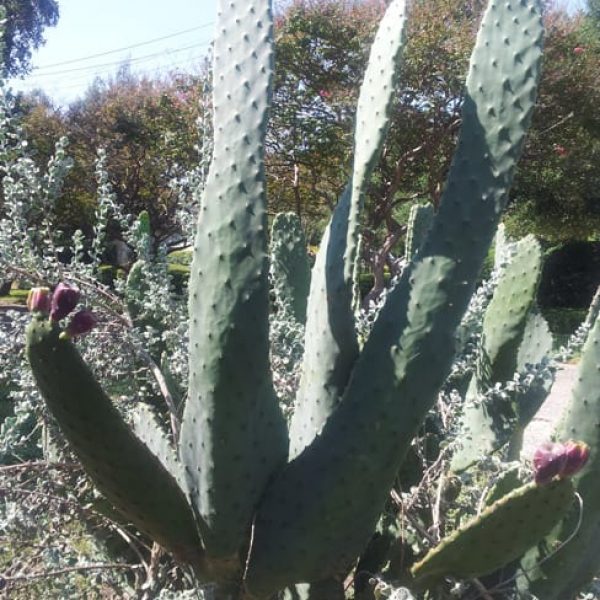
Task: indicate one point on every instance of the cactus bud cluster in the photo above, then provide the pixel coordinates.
(59, 305)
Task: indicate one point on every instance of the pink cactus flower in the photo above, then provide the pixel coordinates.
(81, 323)
(549, 461)
(38, 300)
(559, 460)
(64, 300)
(578, 50)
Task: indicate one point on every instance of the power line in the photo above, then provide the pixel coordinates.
(108, 52)
(93, 68)
(81, 81)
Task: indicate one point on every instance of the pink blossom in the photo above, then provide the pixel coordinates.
(81, 323)
(64, 300)
(38, 300)
(559, 460)
(549, 461)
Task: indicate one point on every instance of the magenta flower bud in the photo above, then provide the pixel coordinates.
(549, 460)
(577, 455)
(38, 300)
(64, 300)
(82, 322)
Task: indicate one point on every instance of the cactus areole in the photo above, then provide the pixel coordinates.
(230, 500)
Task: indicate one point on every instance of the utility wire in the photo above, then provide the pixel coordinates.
(82, 79)
(92, 68)
(108, 52)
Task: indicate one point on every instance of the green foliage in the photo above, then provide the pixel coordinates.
(148, 129)
(24, 31)
(563, 321)
(556, 191)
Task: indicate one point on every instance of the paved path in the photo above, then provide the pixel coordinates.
(540, 428)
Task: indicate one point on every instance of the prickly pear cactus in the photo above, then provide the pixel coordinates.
(508, 312)
(250, 518)
(123, 468)
(233, 435)
(331, 344)
(395, 380)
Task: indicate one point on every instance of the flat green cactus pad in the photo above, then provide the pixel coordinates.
(290, 267)
(487, 425)
(331, 345)
(233, 435)
(133, 479)
(419, 222)
(502, 533)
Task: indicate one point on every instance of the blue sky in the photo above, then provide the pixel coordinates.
(90, 27)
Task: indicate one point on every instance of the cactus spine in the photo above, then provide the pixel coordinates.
(257, 521)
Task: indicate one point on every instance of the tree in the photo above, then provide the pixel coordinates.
(556, 190)
(555, 195)
(23, 31)
(149, 132)
(321, 51)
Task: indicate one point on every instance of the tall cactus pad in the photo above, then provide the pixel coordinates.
(290, 268)
(563, 574)
(331, 346)
(419, 222)
(500, 534)
(506, 317)
(122, 467)
(233, 434)
(318, 514)
(486, 425)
